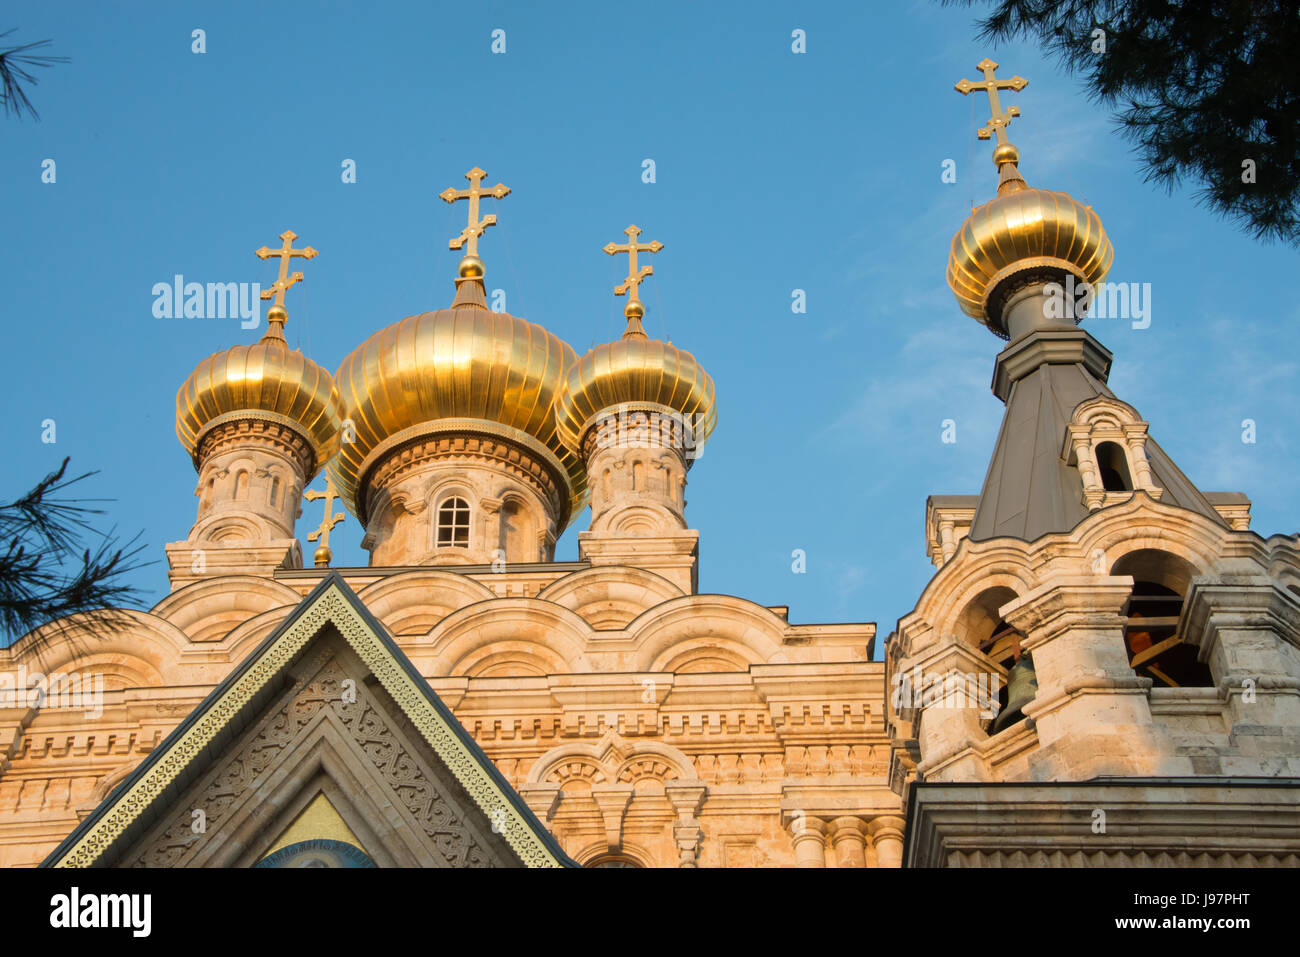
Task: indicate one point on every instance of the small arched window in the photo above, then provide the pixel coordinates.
(638, 477)
(241, 485)
(275, 491)
(453, 523)
(1113, 467)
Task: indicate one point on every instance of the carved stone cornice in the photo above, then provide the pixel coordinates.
(496, 451)
(258, 433)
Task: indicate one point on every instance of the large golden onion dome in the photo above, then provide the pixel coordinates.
(634, 371)
(267, 380)
(460, 369)
(1021, 230)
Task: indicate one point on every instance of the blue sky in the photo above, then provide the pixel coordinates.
(775, 172)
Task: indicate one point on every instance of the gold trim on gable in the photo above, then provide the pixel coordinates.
(331, 606)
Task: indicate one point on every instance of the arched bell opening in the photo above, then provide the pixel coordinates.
(1003, 695)
(1156, 649)
(1113, 467)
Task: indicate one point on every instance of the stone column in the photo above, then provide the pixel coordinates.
(943, 683)
(808, 835)
(849, 838)
(887, 836)
(947, 539)
(1091, 712)
(1247, 628)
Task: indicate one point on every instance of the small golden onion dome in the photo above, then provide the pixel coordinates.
(487, 371)
(1023, 229)
(267, 380)
(634, 369)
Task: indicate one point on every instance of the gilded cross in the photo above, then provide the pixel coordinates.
(634, 276)
(991, 84)
(285, 252)
(323, 554)
(476, 226)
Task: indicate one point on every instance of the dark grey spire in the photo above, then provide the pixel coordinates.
(1030, 489)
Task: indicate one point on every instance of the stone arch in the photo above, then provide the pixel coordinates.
(598, 852)
(208, 609)
(671, 630)
(570, 761)
(1108, 535)
(140, 644)
(634, 518)
(609, 597)
(654, 759)
(412, 603)
(547, 631)
(240, 641)
(975, 568)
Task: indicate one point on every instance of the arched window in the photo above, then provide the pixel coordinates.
(614, 860)
(638, 477)
(275, 491)
(453, 523)
(241, 485)
(1113, 467)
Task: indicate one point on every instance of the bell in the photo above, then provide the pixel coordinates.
(1022, 685)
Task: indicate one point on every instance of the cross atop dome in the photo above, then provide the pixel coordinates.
(277, 315)
(634, 309)
(471, 267)
(1005, 154)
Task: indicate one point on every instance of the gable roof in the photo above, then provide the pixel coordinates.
(181, 758)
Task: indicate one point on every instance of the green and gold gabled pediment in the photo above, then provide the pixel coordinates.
(332, 609)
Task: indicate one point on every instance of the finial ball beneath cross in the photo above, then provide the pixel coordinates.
(471, 267)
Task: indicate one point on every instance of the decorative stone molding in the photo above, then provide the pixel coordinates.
(947, 522)
(1097, 421)
(251, 433)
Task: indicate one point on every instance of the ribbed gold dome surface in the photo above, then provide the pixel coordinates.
(634, 369)
(463, 363)
(1023, 228)
(267, 378)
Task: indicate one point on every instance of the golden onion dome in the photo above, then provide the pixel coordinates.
(1018, 231)
(267, 380)
(634, 371)
(464, 369)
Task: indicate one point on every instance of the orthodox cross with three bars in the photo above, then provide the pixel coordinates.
(323, 554)
(991, 84)
(634, 276)
(476, 226)
(285, 252)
